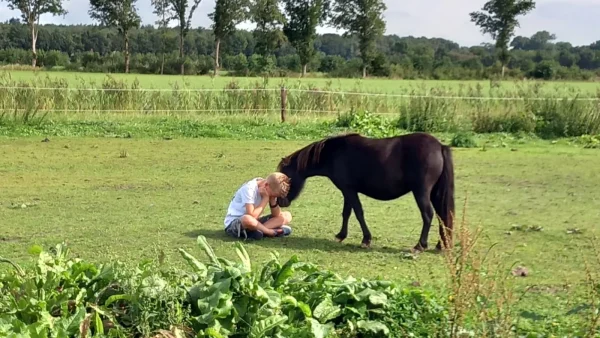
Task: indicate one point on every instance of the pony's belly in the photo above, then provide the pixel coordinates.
(384, 193)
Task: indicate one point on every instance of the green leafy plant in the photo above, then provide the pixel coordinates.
(463, 140)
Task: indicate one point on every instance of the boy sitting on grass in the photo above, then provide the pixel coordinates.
(243, 215)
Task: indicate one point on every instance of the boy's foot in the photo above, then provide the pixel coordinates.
(254, 234)
(283, 231)
(235, 230)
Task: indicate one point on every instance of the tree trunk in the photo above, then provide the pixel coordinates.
(162, 64)
(304, 68)
(181, 52)
(33, 46)
(217, 47)
(364, 72)
(503, 68)
(126, 53)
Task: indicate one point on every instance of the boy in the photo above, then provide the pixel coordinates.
(243, 214)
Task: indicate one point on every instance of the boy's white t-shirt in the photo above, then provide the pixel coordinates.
(247, 193)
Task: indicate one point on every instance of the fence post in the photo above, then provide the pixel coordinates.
(283, 103)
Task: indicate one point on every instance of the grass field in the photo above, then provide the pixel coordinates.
(360, 85)
(123, 198)
(124, 176)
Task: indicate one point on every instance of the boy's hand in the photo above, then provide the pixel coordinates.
(263, 192)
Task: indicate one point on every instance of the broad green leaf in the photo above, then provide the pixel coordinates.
(373, 327)
(71, 324)
(287, 270)
(213, 333)
(198, 267)
(305, 309)
(115, 298)
(379, 298)
(289, 300)
(203, 243)
(243, 254)
(326, 310)
(20, 270)
(262, 327)
(98, 323)
(320, 330)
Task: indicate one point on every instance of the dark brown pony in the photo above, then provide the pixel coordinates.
(383, 169)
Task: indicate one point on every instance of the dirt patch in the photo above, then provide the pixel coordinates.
(10, 239)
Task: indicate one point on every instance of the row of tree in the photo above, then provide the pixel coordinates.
(286, 32)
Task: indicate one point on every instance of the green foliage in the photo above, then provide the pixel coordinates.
(366, 123)
(65, 297)
(303, 17)
(225, 17)
(121, 14)
(590, 141)
(363, 19)
(269, 21)
(404, 57)
(31, 12)
(542, 113)
(463, 140)
(500, 22)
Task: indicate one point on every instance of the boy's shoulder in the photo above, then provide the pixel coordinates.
(251, 184)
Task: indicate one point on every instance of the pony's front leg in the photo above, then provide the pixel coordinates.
(358, 212)
(341, 236)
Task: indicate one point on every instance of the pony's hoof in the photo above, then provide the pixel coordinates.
(440, 248)
(417, 249)
(339, 239)
(365, 245)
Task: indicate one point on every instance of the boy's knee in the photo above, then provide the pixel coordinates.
(287, 217)
(248, 221)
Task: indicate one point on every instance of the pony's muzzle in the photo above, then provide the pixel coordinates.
(283, 202)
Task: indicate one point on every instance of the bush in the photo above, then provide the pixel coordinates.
(366, 123)
(463, 140)
(62, 296)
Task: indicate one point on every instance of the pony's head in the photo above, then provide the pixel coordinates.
(304, 163)
(288, 166)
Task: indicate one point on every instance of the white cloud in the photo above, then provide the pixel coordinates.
(570, 20)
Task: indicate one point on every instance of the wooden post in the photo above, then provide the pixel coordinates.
(283, 103)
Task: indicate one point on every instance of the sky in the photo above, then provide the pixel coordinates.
(573, 21)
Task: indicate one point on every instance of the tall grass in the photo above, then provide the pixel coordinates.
(525, 107)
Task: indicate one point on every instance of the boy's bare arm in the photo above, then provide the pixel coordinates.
(275, 210)
(256, 211)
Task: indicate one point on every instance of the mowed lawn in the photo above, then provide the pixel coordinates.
(377, 85)
(126, 198)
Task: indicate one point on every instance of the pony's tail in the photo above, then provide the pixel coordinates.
(444, 193)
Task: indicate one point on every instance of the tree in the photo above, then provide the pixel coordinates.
(269, 21)
(178, 10)
(226, 16)
(363, 19)
(160, 10)
(121, 14)
(499, 19)
(31, 10)
(303, 17)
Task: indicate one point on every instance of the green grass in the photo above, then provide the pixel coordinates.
(122, 198)
(362, 85)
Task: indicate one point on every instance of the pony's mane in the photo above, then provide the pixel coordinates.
(304, 154)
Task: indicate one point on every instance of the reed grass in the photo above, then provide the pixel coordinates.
(564, 112)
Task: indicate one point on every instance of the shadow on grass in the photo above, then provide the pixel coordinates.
(299, 243)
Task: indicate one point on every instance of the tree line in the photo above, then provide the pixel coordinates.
(284, 40)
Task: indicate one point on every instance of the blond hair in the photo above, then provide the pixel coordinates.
(279, 183)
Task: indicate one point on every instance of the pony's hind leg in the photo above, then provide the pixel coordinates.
(424, 203)
(341, 236)
(445, 225)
